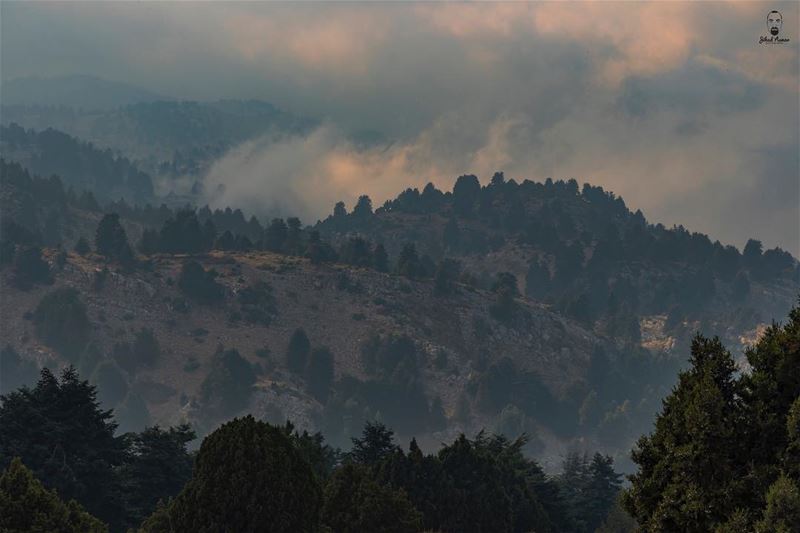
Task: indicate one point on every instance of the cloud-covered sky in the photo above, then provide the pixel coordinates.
(675, 106)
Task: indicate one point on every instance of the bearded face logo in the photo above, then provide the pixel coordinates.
(774, 22)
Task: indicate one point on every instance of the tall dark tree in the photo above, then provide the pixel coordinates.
(380, 259)
(200, 284)
(248, 477)
(355, 502)
(363, 207)
(29, 267)
(62, 323)
(691, 468)
(228, 386)
(408, 263)
(465, 194)
(297, 352)
(375, 444)
(157, 469)
(275, 235)
(111, 240)
(62, 435)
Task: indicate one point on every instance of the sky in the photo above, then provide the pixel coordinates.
(674, 106)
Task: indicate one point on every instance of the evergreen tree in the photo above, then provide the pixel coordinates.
(602, 489)
(770, 389)
(363, 207)
(465, 194)
(150, 242)
(62, 323)
(791, 456)
(60, 432)
(691, 467)
(82, 246)
(782, 514)
(408, 264)
(355, 502)
(228, 386)
(157, 469)
(200, 284)
(294, 236)
(319, 252)
(111, 240)
(275, 235)
(380, 259)
(27, 506)
(29, 267)
(184, 234)
(297, 352)
(146, 349)
(375, 444)
(248, 478)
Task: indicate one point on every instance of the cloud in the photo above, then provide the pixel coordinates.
(672, 105)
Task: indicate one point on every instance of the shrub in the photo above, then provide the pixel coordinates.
(297, 351)
(227, 388)
(29, 267)
(199, 284)
(61, 322)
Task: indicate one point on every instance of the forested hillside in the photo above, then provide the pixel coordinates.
(697, 471)
(80, 165)
(449, 327)
(169, 138)
(584, 253)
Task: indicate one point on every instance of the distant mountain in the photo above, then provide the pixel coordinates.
(77, 90)
(81, 165)
(165, 137)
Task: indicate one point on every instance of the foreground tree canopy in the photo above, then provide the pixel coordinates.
(724, 453)
(724, 457)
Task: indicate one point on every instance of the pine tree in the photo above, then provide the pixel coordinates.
(228, 386)
(29, 267)
(375, 444)
(157, 468)
(408, 263)
(111, 240)
(602, 490)
(275, 235)
(691, 467)
(71, 447)
(363, 207)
